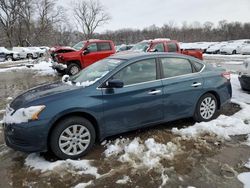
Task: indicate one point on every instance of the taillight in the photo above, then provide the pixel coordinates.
(226, 75)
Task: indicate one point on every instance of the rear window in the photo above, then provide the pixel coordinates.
(172, 47)
(103, 46)
(175, 67)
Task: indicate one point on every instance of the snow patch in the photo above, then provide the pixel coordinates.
(43, 68)
(34, 161)
(124, 180)
(245, 179)
(83, 185)
(141, 154)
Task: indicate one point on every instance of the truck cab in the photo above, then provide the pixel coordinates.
(87, 53)
(164, 45)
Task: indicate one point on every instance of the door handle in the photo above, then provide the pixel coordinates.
(196, 84)
(154, 92)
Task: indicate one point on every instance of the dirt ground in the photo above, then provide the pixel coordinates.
(203, 162)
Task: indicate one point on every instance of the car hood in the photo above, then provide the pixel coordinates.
(40, 92)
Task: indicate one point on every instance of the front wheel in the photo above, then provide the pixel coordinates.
(9, 58)
(72, 138)
(206, 108)
(73, 69)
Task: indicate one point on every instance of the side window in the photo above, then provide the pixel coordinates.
(92, 47)
(159, 47)
(141, 71)
(172, 47)
(175, 67)
(104, 46)
(197, 66)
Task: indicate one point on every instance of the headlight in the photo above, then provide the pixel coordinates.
(23, 115)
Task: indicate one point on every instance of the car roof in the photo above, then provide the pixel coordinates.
(130, 55)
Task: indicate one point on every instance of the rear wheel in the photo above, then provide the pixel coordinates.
(30, 56)
(206, 108)
(73, 69)
(234, 52)
(72, 138)
(9, 58)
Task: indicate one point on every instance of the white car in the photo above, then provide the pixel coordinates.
(9, 54)
(245, 50)
(234, 47)
(215, 49)
(25, 52)
(40, 52)
(196, 46)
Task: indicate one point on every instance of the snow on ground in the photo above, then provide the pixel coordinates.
(42, 67)
(83, 185)
(35, 162)
(141, 154)
(124, 180)
(245, 176)
(224, 126)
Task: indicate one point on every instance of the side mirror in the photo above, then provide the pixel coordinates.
(114, 84)
(153, 50)
(86, 51)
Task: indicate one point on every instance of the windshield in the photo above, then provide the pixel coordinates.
(142, 46)
(79, 45)
(95, 71)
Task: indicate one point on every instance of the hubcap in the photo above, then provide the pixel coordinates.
(207, 108)
(74, 70)
(74, 140)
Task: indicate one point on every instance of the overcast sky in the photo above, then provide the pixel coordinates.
(143, 13)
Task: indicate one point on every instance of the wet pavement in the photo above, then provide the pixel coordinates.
(206, 161)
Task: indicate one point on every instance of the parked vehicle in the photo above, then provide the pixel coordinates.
(40, 52)
(114, 95)
(88, 52)
(203, 46)
(9, 54)
(234, 47)
(244, 76)
(164, 45)
(215, 49)
(123, 47)
(63, 49)
(2, 56)
(25, 53)
(245, 50)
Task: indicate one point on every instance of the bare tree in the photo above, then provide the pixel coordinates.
(9, 13)
(90, 15)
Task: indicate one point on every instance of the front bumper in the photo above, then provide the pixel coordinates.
(59, 66)
(27, 137)
(244, 82)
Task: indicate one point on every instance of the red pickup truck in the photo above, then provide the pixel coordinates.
(84, 54)
(165, 45)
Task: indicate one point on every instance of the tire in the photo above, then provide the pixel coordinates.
(29, 56)
(65, 136)
(204, 112)
(73, 69)
(234, 52)
(9, 58)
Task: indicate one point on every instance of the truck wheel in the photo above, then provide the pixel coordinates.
(73, 69)
(9, 58)
(29, 56)
(72, 138)
(206, 108)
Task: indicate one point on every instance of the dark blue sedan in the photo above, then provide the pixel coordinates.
(115, 95)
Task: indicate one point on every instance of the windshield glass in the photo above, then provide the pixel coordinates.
(94, 72)
(79, 45)
(142, 46)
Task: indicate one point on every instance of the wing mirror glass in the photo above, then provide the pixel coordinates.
(114, 84)
(86, 51)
